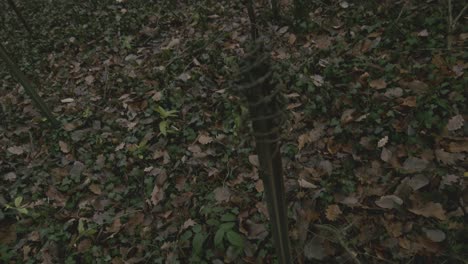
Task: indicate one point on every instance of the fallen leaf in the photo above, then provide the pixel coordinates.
(58, 197)
(434, 235)
(344, 4)
(416, 86)
(194, 148)
(305, 184)
(412, 165)
(418, 181)
(253, 159)
(448, 158)
(332, 212)
(430, 209)
(449, 180)
(259, 186)
(67, 100)
(389, 202)
(314, 249)
(222, 194)
(283, 30)
(386, 155)
(347, 116)
(457, 147)
(157, 195)
(96, 189)
(77, 169)
(64, 147)
(409, 101)
(291, 39)
(89, 79)
(455, 123)
(326, 166)
(302, 140)
(174, 42)
(255, 231)
(157, 96)
(394, 92)
(16, 150)
(10, 176)
(203, 139)
(184, 77)
(423, 33)
(84, 245)
(323, 42)
(188, 224)
(350, 201)
(382, 142)
(378, 84)
(317, 80)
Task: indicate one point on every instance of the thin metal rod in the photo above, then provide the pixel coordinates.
(28, 86)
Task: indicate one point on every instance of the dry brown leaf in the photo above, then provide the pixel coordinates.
(323, 42)
(259, 186)
(430, 209)
(64, 147)
(188, 224)
(89, 79)
(455, 123)
(347, 116)
(382, 142)
(255, 231)
(84, 245)
(96, 189)
(305, 184)
(302, 140)
(378, 84)
(386, 155)
(409, 101)
(448, 158)
(253, 159)
(194, 149)
(416, 86)
(10, 176)
(174, 42)
(457, 147)
(332, 212)
(157, 195)
(222, 194)
(314, 249)
(58, 197)
(203, 139)
(291, 39)
(435, 235)
(389, 202)
(412, 165)
(16, 150)
(418, 181)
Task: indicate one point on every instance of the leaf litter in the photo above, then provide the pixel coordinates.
(376, 142)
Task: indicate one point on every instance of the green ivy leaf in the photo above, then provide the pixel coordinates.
(235, 239)
(228, 218)
(163, 127)
(197, 243)
(227, 226)
(22, 210)
(81, 226)
(218, 238)
(18, 201)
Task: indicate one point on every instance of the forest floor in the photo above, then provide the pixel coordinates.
(155, 163)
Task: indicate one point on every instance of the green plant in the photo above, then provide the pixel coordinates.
(18, 207)
(166, 115)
